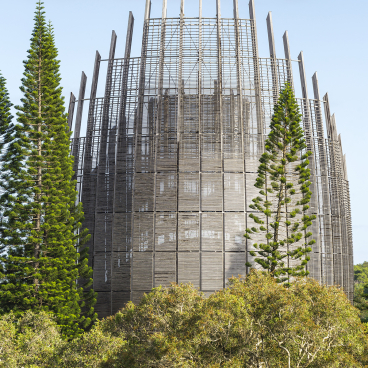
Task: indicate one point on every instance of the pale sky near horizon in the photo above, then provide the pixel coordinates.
(331, 34)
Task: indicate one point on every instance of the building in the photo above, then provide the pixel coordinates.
(166, 170)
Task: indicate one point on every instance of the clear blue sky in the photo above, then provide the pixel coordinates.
(331, 33)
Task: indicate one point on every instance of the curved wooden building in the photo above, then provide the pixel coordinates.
(166, 169)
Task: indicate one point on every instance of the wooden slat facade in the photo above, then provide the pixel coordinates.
(166, 171)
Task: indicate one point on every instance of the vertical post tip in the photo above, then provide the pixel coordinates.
(271, 38)
(252, 14)
(236, 9)
(164, 9)
(147, 10)
(315, 86)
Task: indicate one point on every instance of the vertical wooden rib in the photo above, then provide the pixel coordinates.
(285, 39)
(71, 111)
(271, 39)
(179, 126)
(271, 44)
(324, 192)
(200, 120)
(78, 120)
(257, 77)
(240, 97)
(91, 120)
(334, 154)
(147, 10)
(120, 177)
(106, 108)
(89, 192)
(345, 224)
(136, 261)
(124, 84)
(219, 112)
(103, 222)
(308, 131)
(156, 137)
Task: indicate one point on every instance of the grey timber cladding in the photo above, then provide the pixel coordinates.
(167, 167)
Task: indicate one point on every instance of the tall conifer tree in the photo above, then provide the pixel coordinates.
(5, 123)
(5, 113)
(39, 233)
(282, 206)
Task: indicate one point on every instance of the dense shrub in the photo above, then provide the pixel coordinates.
(254, 322)
(92, 349)
(30, 341)
(361, 289)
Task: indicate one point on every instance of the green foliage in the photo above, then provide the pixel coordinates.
(5, 123)
(361, 289)
(30, 341)
(361, 273)
(255, 322)
(5, 105)
(160, 330)
(39, 259)
(280, 214)
(97, 348)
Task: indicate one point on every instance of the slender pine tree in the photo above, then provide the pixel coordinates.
(5, 113)
(5, 124)
(281, 216)
(40, 228)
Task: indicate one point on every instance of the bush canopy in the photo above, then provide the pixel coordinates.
(254, 322)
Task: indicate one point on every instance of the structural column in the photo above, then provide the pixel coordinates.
(200, 56)
(89, 179)
(324, 194)
(271, 44)
(102, 247)
(334, 193)
(242, 123)
(71, 110)
(120, 229)
(78, 120)
(179, 126)
(142, 262)
(257, 86)
(285, 39)
(308, 132)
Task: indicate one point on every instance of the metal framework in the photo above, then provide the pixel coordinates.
(166, 170)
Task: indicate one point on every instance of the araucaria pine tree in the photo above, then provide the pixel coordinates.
(5, 113)
(41, 268)
(280, 216)
(5, 123)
